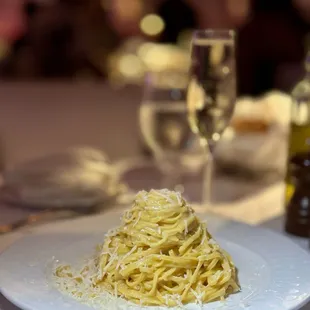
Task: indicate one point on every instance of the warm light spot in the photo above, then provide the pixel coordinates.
(157, 59)
(238, 8)
(289, 192)
(4, 49)
(216, 136)
(217, 53)
(225, 70)
(144, 49)
(130, 66)
(125, 10)
(152, 24)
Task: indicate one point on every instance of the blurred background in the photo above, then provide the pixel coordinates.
(113, 76)
(46, 45)
(120, 40)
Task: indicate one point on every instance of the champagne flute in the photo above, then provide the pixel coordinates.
(211, 91)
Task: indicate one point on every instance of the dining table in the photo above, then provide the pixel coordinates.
(37, 119)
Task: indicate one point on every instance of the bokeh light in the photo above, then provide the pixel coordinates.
(152, 25)
(4, 48)
(130, 66)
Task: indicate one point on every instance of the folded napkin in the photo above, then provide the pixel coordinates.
(79, 177)
(260, 150)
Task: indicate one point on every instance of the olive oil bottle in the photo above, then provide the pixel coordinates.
(298, 171)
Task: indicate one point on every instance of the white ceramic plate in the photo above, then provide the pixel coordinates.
(274, 273)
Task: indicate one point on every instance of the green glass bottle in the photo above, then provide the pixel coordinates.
(299, 147)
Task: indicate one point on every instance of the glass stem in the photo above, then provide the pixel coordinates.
(208, 174)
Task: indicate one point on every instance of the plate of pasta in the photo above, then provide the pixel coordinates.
(161, 255)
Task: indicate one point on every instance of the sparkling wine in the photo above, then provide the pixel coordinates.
(211, 92)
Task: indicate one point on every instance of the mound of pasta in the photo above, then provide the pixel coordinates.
(160, 255)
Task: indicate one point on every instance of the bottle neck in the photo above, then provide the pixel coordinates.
(307, 65)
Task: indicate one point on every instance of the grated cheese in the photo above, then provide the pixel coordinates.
(203, 239)
(137, 220)
(178, 195)
(185, 227)
(199, 297)
(125, 256)
(113, 257)
(96, 297)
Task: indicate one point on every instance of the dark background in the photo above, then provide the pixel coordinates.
(66, 39)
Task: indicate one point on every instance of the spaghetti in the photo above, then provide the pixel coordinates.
(160, 255)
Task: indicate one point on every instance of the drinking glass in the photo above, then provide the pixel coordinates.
(211, 91)
(165, 129)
